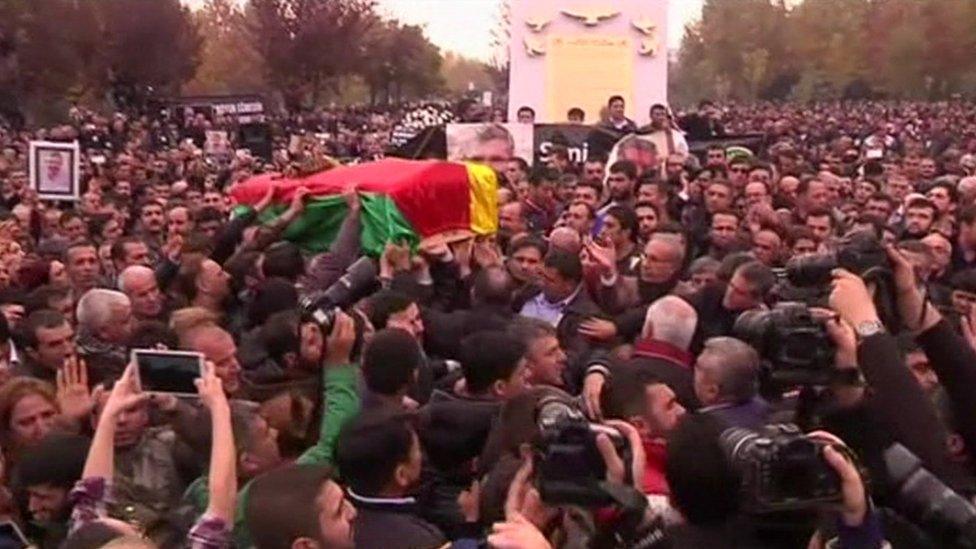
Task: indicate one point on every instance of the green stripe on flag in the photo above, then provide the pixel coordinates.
(380, 219)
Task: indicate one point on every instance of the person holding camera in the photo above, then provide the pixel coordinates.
(708, 490)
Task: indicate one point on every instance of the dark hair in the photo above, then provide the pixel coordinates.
(492, 286)
(625, 167)
(822, 212)
(526, 108)
(386, 303)
(149, 334)
(527, 241)
(921, 203)
(279, 334)
(283, 259)
(42, 318)
(57, 460)
(118, 247)
(390, 361)
(481, 368)
(627, 219)
(541, 175)
(185, 282)
(271, 296)
(965, 281)
(566, 264)
(66, 258)
(623, 396)
(370, 448)
(950, 189)
(758, 275)
(591, 184)
(283, 505)
(209, 213)
(704, 487)
(576, 111)
(615, 98)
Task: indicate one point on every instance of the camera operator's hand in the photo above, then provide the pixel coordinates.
(517, 533)
(850, 299)
(592, 388)
(616, 468)
(855, 505)
(916, 316)
(843, 336)
(339, 343)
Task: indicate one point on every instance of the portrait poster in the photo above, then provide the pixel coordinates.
(217, 144)
(492, 144)
(55, 169)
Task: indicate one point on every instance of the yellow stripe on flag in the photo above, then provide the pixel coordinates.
(484, 199)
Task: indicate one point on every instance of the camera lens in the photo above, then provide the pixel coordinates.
(811, 270)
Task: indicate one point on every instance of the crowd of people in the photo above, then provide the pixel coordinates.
(614, 368)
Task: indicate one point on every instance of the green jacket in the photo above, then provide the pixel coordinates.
(341, 404)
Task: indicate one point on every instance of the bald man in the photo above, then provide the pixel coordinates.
(218, 346)
(565, 239)
(139, 283)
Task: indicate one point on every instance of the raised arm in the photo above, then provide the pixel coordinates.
(223, 460)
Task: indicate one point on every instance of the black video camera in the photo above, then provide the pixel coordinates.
(359, 280)
(781, 468)
(570, 468)
(796, 345)
(859, 252)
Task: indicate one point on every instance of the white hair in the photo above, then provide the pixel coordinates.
(131, 272)
(95, 308)
(672, 320)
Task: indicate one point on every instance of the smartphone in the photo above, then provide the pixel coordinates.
(11, 537)
(168, 371)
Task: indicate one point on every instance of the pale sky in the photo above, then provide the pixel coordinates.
(464, 26)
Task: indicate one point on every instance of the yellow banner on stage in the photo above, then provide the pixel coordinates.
(585, 70)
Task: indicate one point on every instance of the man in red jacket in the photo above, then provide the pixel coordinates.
(638, 397)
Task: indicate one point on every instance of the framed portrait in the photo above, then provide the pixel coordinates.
(55, 169)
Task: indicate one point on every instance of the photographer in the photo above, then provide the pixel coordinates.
(896, 400)
(952, 357)
(706, 489)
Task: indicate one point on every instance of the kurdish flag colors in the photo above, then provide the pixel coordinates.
(402, 200)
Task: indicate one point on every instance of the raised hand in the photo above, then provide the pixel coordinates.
(265, 201)
(340, 341)
(125, 394)
(75, 399)
(210, 388)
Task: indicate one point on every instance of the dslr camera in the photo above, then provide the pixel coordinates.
(358, 281)
(859, 252)
(570, 469)
(796, 345)
(781, 469)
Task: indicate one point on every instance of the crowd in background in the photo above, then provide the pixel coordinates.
(411, 418)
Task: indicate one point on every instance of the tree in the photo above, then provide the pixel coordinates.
(149, 47)
(229, 62)
(307, 45)
(399, 60)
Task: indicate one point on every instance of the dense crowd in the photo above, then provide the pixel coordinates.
(631, 361)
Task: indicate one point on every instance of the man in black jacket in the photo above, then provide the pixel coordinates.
(455, 424)
(380, 459)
